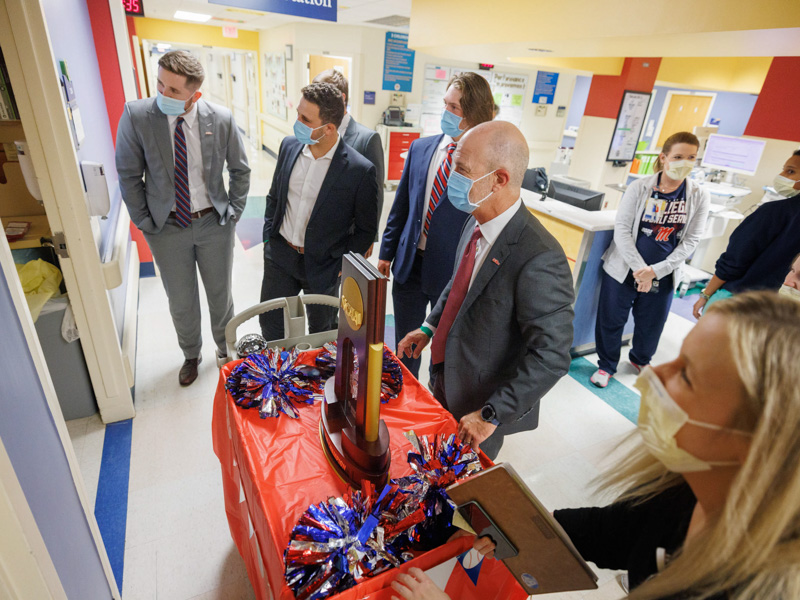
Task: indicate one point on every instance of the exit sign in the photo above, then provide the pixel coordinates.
(134, 8)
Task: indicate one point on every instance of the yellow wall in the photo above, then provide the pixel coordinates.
(744, 74)
(190, 33)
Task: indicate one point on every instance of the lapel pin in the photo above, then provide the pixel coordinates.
(209, 133)
(495, 261)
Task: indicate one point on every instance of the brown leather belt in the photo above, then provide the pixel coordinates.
(298, 249)
(194, 215)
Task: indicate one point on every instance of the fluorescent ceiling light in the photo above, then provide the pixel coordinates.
(190, 16)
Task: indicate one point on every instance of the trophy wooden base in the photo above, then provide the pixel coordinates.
(353, 458)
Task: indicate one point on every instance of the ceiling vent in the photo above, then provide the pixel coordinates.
(392, 21)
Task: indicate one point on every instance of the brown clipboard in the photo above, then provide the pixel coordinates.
(539, 553)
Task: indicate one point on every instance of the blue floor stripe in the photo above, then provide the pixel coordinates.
(111, 505)
(616, 395)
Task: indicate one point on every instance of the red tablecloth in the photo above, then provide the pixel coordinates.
(273, 469)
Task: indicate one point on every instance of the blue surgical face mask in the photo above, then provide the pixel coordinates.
(458, 188)
(170, 106)
(450, 123)
(303, 133)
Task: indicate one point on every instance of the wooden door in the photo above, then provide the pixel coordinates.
(684, 113)
(317, 64)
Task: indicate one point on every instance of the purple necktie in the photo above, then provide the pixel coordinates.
(183, 200)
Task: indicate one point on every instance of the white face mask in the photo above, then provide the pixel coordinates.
(660, 418)
(680, 169)
(789, 292)
(785, 186)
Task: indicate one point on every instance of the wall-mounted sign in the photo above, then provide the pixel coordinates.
(312, 9)
(628, 128)
(398, 63)
(369, 97)
(544, 90)
(133, 8)
(230, 31)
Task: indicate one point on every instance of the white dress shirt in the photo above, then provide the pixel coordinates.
(345, 122)
(433, 168)
(490, 231)
(305, 183)
(194, 158)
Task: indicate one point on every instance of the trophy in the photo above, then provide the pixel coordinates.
(354, 438)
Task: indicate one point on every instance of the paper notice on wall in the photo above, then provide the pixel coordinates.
(508, 92)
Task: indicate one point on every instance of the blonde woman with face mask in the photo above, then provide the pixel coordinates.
(710, 500)
(758, 247)
(659, 223)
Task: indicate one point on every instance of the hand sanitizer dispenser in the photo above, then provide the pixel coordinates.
(94, 182)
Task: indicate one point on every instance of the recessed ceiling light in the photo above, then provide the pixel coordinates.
(539, 50)
(190, 16)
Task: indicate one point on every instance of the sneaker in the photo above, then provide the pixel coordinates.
(600, 378)
(637, 367)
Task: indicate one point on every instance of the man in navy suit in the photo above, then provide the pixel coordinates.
(323, 203)
(362, 139)
(422, 233)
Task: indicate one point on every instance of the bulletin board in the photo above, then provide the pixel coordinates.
(275, 84)
(628, 128)
(508, 90)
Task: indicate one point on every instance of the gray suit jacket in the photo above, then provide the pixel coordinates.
(510, 341)
(368, 144)
(146, 164)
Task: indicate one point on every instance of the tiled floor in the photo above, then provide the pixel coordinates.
(178, 546)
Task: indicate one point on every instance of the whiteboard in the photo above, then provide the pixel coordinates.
(628, 128)
(508, 90)
(275, 84)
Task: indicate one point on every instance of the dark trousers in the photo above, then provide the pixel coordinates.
(410, 309)
(650, 312)
(490, 446)
(286, 280)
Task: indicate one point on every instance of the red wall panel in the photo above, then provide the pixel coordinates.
(775, 114)
(605, 93)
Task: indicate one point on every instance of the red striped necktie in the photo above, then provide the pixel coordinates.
(183, 199)
(439, 185)
(458, 292)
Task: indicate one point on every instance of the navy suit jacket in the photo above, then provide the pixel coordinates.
(407, 216)
(344, 217)
(368, 144)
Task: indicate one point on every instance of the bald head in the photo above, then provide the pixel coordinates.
(495, 156)
(499, 145)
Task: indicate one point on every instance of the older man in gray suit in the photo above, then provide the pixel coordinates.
(502, 328)
(170, 154)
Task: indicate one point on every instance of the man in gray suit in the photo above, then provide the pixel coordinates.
(502, 328)
(362, 139)
(170, 154)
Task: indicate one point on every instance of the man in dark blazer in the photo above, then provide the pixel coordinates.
(502, 328)
(323, 203)
(422, 232)
(362, 139)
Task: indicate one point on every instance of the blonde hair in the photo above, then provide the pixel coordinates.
(752, 550)
(682, 137)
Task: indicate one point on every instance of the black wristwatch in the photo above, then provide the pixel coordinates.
(488, 414)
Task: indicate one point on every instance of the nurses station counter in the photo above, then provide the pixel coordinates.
(584, 235)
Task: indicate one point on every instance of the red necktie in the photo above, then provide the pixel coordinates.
(439, 185)
(183, 202)
(455, 298)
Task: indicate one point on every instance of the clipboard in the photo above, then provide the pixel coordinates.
(531, 543)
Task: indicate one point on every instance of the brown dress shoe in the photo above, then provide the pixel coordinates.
(188, 372)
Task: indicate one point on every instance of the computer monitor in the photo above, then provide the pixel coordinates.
(734, 154)
(576, 196)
